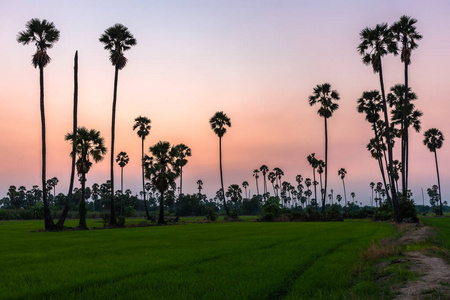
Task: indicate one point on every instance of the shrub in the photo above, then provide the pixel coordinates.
(105, 219)
(120, 221)
(38, 211)
(211, 216)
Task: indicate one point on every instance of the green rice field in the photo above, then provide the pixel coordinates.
(443, 224)
(240, 260)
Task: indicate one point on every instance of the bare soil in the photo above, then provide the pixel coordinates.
(434, 282)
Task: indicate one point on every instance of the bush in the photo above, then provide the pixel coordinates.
(105, 219)
(121, 221)
(211, 216)
(38, 211)
(130, 211)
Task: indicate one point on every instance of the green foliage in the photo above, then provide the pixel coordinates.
(383, 213)
(271, 209)
(130, 211)
(211, 216)
(38, 211)
(105, 219)
(408, 210)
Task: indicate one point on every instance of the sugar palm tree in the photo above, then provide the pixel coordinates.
(405, 33)
(278, 174)
(43, 34)
(219, 123)
(342, 172)
(89, 144)
(320, 168)
(117, 39)
(200, 186)
(245, 186)
(375, 43)
(271, 176)
(234, 192)
(434, 140)
(264, 170)
(143, 126)
(326, 98)
(353, 196)
(184, 151)
(313, 162)
(256, 175)
(122, 159)
(162, 170)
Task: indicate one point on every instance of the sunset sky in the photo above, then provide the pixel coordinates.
(258, 61)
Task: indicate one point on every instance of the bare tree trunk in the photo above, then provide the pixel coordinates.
(161, 209)
(221, 177)
(439, 183)
(143, 182)
(82, 208)
(326, 168)
(113, 220)
(63, 216)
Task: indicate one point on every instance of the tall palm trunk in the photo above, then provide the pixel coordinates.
(380, 163)
(143, 182)
(315, 185)
(397, 212)
(257, 188)
(113, 220)
(345, 193)
(82, 208)
(121, 190)
(265, 186)
(326, 168)
(221, 176)
(405, 137)
(48, 221)
(439, 183)
(161, 208)
(63, 216)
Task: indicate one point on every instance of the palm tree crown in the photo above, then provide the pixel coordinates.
(405, 32)
(433, 139)
(122, 159)
(219, 122)
(323, 95)
(143, 123)
(117, 39)
(43, 34)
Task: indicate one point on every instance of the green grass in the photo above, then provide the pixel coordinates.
(443, 224)
(242, 260)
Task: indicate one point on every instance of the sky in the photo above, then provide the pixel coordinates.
(257, 61)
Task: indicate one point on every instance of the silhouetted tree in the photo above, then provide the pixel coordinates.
(184, 151)
(434, 140)
(256, 175)
(245, 185)
(342, 172)
(117, 39)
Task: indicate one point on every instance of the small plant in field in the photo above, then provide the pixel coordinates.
(121, 221)
(105, 219)
(38, 211)
(211, 216)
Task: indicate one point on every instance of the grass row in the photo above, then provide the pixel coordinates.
(243, 260)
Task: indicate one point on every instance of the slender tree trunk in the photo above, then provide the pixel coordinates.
(371, 201)
(380, 162)
(221, 177)
(439, 183)
(161, 209)
(405, 134)
(345, 193)
(121, 191)
(265, 186)
(63, 216)
(143, 181)
(315, 185)
(397, 212)
(273, 189)
(326, 167)
(181, 181)
(257, 188)
(82, 208)
(113, 220)
(48, 221)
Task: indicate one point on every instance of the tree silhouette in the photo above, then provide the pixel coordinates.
(89, 144)
(264, 170)
(278, 174)
(372, 185)
(245, 186)
(219, 123)
(234, 192)
(313, 162)
(376, 43)
(43, 35)
(271, 176)
(405, 33)
(256, 175)
(325, 97)
(162, 170)
(200, 186)
(342, 172)
(117, 39)
(434, 140)
(143, 126)
(184, 151)
(122, 160)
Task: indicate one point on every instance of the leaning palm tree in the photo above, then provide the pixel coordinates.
(405, 33)
(117, 39)
(325, 97)
(342, 172)
(43, 34)
(434, 140)
(143, 126)
(218, 123)
(184, 152)
(122, 159)
(376, 43)
(89, 144)
(162, 170)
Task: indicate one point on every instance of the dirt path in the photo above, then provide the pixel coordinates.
(435, 280)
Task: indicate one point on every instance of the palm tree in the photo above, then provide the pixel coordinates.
(405, 33)
(219, 123)
(342, 172)
(339, 198)
(278, 174)
(312, 160)
(264, 170)
(372, 185)
(184, 152)
(320, 168)
(43, 35)
(245, 186)
(89, 144)
(122, 159)
(162, 170)
(376, 43)
(200, 184)
(271, 176)
(234, 192)
(117, 39)
(143, 125)
(353, 196)
(434, 140)
(323, 95)
(256, 175)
